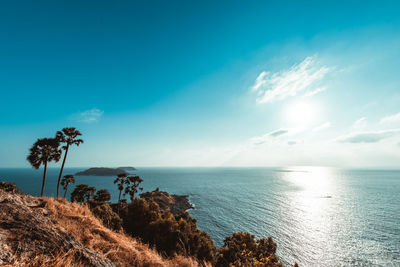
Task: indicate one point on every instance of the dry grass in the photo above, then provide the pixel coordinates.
(121, 249)
(62, 260)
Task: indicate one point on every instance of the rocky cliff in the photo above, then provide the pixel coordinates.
(175, 203)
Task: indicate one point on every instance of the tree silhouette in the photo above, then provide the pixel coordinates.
(120, 181)
(132, 183)
(43, 151)
(82, 193)
(66, 180)
(102, 196)
(67, 136)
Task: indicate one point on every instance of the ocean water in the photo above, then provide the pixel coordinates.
(317, 216)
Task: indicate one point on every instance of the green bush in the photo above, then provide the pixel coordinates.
(102, 195)
(168, 234)
(241, 249)
(105, 213)
(82, 193)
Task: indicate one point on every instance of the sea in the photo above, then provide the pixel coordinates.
(317, 216)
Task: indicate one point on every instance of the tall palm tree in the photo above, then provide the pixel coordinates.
(66, 180)
(43, 151)
(67, 136)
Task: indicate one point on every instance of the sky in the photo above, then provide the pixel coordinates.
(203, 83)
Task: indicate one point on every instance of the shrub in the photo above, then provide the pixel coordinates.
(102, 196)
(170, 235)
(109, 218)
(9, 187)
(82, 193)
(241, 249)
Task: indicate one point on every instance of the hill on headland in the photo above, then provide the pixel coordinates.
(47, 232)
(174, 203)
(102, 171)
(54, 232)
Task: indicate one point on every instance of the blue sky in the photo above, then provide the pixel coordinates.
(203, 83)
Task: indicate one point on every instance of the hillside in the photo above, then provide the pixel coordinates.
(47, 232)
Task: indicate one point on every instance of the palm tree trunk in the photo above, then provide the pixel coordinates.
(119, 201)
(61, 171)
(65, 192)
(44, 178)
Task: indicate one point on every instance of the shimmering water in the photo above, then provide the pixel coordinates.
(317, 216)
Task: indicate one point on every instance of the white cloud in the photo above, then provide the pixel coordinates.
(259, 140)
(278, 132)
(280, 85)
(88, 116)
(316, 91)
(360, 123)
(368, 137)
(391, 119)
(322, 127)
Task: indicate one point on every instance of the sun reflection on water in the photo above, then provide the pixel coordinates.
(316, 181)
(311, 208)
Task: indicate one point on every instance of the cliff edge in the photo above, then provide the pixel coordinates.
(175, 203)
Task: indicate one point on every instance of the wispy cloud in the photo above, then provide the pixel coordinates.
(259, 140)
(299, 78)
(278, 132)
(88, 116)
(391, 118)
(321, 127)
(316, 91)
(360, 123)
(368, 137)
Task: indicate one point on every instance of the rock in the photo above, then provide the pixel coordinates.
(175, 203)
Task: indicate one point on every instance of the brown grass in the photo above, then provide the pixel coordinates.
(62, 260)
(121, 249)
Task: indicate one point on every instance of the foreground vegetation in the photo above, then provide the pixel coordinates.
(54, 232)
(171, 235)
(177, 234)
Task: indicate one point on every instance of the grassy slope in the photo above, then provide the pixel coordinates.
(29, 223)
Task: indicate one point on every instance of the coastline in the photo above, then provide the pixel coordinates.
(175, 203)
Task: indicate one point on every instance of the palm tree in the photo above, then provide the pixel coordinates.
(132, 183)
(66, 180)
(67, 136)
(121, 180)
(43, 151)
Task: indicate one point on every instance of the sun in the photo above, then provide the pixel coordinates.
(301, 114)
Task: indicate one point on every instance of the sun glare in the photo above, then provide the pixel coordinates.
(301, 114)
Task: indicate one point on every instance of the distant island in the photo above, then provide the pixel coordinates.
(127, 168)
(101, 171)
